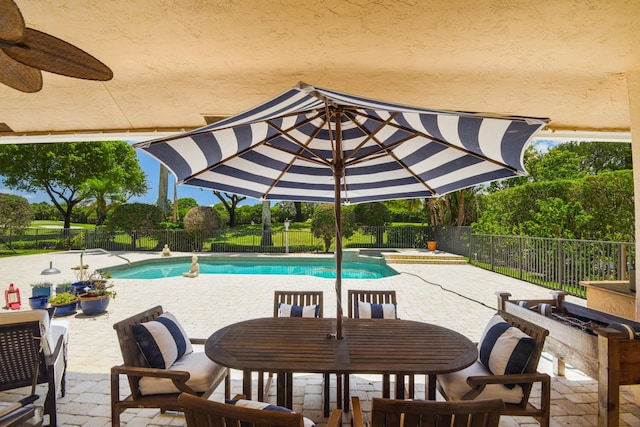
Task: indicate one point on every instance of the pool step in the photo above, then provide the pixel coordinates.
(426, 258)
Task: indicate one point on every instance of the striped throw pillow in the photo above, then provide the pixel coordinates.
(162, 341)
(505, 349)
(254, 404)
(366, 310)
(288, 310)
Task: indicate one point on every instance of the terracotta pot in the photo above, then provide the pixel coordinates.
(432, 245)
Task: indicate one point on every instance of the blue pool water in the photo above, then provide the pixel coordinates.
(309, 267)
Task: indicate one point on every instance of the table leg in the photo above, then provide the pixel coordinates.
(339, 390)
(246, 383)
(281, 386)
(289, 402)
(386, 386)
(431, 387)
(399, 386)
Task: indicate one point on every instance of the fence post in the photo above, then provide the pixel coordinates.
(560, 273)
(491, 253)
(520, 258)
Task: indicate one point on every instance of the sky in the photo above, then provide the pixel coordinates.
(151, 168)
(204, 197)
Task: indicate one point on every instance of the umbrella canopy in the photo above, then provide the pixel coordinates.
(319, 145)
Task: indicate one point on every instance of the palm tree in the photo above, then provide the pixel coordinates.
(102, 196)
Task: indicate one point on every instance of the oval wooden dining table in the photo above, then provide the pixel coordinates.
(369, 346)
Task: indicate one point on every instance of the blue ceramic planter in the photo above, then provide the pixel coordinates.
(39, 292)
(38, 302)
(65, 309)
(94, 305)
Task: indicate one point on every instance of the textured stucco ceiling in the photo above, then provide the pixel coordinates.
(177, 61)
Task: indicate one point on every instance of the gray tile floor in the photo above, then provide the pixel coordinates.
(460, 297)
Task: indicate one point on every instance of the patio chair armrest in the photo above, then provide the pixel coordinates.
(507, 379)
(57, 352)
(356, 413)
(198, 341)
(478, 383)
(179, 378)
(135, 371)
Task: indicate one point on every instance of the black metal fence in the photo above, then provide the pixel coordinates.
(552, 263)
(559, 264)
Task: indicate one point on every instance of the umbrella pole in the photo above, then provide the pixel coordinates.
(337, 212)
(338, 173)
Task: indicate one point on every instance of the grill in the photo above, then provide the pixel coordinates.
(589, 340)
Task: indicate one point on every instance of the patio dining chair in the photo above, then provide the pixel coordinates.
(508, 356)
(33, 351)
(201, 412)
(296, 304)
(159, 363)
(427, 413)
(374, 304)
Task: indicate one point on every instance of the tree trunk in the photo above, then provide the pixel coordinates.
(163, 189)
(266, 224)
(298, 206)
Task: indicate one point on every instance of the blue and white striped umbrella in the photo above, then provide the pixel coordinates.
(291, 147)
(319, 145)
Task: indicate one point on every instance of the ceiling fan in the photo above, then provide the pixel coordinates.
(25, 51)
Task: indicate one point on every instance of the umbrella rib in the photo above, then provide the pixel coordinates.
(439, 141)
(384, 150)
(303, 147)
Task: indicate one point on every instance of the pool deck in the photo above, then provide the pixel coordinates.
(460, 297)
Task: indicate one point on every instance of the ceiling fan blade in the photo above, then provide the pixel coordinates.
(51, 54)
(19, 76)
(11, 22)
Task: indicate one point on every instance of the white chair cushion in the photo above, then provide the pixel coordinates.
(204, 372)
(162, 341)
(288, 310)
(262, 406)
(366, 310)
(455, 385)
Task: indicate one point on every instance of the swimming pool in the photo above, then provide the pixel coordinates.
(359, 268)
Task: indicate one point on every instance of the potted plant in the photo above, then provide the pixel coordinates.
(64, 303)
(97, 296)
(41, 289)
(63, 287)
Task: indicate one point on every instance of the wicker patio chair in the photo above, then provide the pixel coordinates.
(32, 352)
(478, 382)
(426, 413)
(151, 387)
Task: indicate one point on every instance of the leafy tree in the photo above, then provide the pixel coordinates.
(230, 202)
(45, 211)
(375, 215)
(185, 204)
(453, 209)
(102, 196)
(323, 223)
(201, 223)
(137, 219)
(15, 213)
(407, 210)
(556, 219)
(601, 156)
(63, 169)
(557, 163)
(602, 204)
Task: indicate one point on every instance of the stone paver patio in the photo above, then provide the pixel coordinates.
(460, 297)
